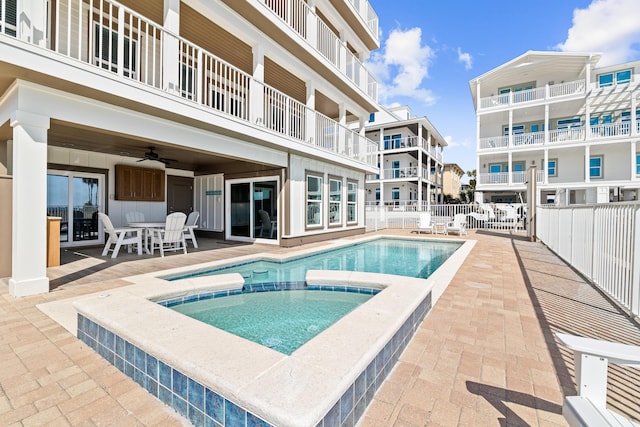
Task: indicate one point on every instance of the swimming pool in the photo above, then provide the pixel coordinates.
(402, 257)
(211, 376)
(280, 319)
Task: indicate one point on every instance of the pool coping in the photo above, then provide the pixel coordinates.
(296, 390)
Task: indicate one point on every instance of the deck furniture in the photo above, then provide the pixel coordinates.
(267, 225)
(120, 236)
(589, 407)
(171, 237)
(190, 225)
(457, 225)
(147, 228)
(424, 223)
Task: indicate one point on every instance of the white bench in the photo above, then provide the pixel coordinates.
(589, 407)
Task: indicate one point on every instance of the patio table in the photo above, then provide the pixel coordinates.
(147, 226)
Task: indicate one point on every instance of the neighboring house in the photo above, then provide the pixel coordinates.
(451, 181)
(577, 123)
(234, 106)
(410, 159)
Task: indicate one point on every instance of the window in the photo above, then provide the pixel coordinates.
(352, 201)
(552, 167)
(395, 165)
(372, 117)
(314, 200)
(595, 166)
(395, 196)
(392, 141)
(618, 77)
(10, 19)
(335, 201)
(378, 194)
(106, 51)
(569, 123)
(637, 164)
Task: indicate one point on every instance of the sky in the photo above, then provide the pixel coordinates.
(430, 50)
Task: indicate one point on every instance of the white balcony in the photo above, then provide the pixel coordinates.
(303, 20)
(577, 87)
(560, 136)
(518, 178)
(411, 142)
(126, 44)
(368, 15)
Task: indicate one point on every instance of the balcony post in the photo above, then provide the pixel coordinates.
(32, 21)
(634, 114)
(256, 91)
(510, 132)
(510, 167)
(546, 124)
(312, 23)
(310, 113)
(120, 53)
(545, 166)
(341, 48)
(171, 59)
(342, 136)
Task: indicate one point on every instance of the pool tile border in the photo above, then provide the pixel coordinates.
(204, 407)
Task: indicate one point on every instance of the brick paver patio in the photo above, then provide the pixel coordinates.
(485, 355)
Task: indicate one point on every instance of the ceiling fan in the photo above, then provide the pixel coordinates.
(152, 155)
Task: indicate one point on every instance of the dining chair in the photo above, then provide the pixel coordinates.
(171, 237)
(120, 236)
(189, 225)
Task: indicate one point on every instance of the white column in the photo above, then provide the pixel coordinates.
(510, 130)
(32, 21)
(312, 24)
(310, 113)
(342, 137)
(545, 166)
(634, 114)
(510, 168)
(171, 60)
(342, 52)
(420, 179)
(381, 181)
(256, 89)
(546, 123)
(587, 154)
(29, 211)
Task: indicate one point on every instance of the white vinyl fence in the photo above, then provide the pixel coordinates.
(601, 242)
(478, 216)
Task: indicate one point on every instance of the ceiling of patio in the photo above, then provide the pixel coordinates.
(67, 135)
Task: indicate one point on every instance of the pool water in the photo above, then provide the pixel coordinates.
(281, 320)
(403, 257)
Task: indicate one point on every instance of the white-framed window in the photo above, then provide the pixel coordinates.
(335, 201)
(638, 164)
(552, 167)
(595, 166)
(10, 17)
(314, 200)
(352, 201)
(395, 196)
(619, 77)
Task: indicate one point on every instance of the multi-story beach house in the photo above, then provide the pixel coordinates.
(452, 180)
(575, 122)
(225, 107)
(409, 157)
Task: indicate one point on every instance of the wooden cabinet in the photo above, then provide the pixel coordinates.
(139, 184)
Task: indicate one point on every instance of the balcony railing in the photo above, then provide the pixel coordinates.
(577, 87)
(502, 178)
(567, 135)
(367, 13)
(411, 141)
(118, 40)
(302, 19)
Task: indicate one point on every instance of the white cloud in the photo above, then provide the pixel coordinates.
(465, 58)
(452, 143)
(608, 26)
(402, 66)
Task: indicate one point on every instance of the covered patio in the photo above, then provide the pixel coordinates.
(485, 355)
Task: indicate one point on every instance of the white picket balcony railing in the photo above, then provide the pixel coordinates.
(577, 87)
(602, 242)
(110, 36)
(303, 20)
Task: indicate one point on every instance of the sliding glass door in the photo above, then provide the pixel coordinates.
(252, 210)
(76, 197)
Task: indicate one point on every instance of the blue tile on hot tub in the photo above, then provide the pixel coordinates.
(253, 421)
(139, 359)
(196, 417)
(179, 384)
(333, 416)
(164, 374)
(152, 366)
(234, 415)
(346, 404)
(214, 405)
(196, 394)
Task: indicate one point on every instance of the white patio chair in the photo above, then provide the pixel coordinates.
(190, 225)
(267, 227)
(120, 236)
(171, 237)
(424, 223)
(458, 225)
(589, 407)
(135, 216)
